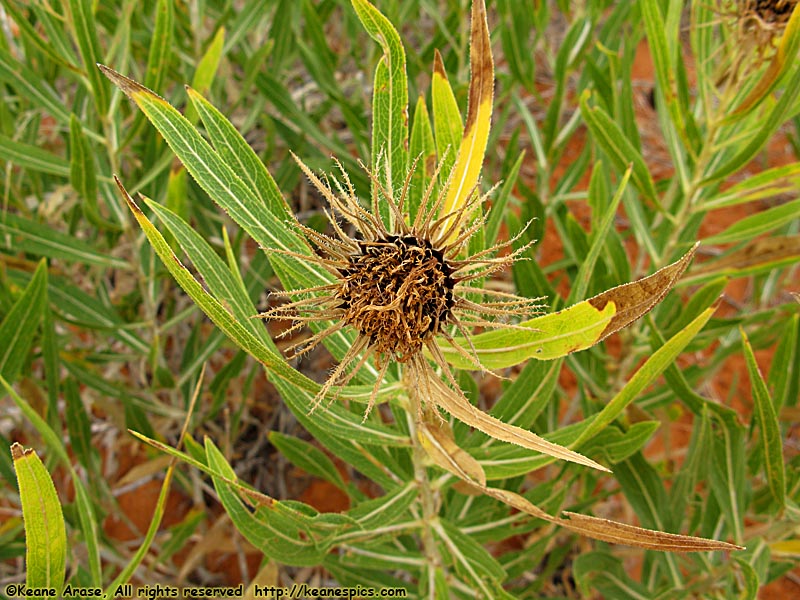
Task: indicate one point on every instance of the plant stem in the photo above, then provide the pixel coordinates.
(430, 514)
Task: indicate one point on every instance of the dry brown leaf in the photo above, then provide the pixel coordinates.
(632, 300)
(455, 403)
(758, 252)
(437, 440)
(620, 533)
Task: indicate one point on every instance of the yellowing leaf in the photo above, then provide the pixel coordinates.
(45, 533)
(479, 114)
(575, 328)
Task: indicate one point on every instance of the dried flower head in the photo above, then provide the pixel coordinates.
(403, 288)
(761, 23)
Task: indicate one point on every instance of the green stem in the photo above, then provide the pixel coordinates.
(430, 514)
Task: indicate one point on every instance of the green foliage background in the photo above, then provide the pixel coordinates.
(96, 337)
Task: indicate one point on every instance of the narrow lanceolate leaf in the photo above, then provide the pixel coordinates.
(221, 317)
(652, 368)
(610, 137)
(241, 157)
(277, 530)
(32, 157)
(479, 115)
(45, 533)
(784, 179)
(661, 33)
(219, 180)
(770, 432)
(447, 126)
(423, 151)
(85, 30)
(25, 235)
(160, 45)
(759, 223)
(207, 69)
(575, 328)
(21, 324)
(390, 98)
(454, 402)
(33, 87)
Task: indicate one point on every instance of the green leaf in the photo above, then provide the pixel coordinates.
(85, 30)
(160, 45)
(423, 150)
(757, 224)
(652, 368)
(385, 510)
(763, 132)
(45, 532)
(158, 57)
(769, 428)
(447, 125)
(24, 235)
(221, 317)
(785, 370)
(236, 152)
(769, 183)
(608, 135)
(32, 87)
(604, 573)
(79, 428)
(32, 157)
(727, 472)
(599, 235)
(21, 324)
(664, 60)
(207, 69)
(389, 100)
(468, 557)
(500, 201)
(309, 458)
(575, 328)
(86, 514)
(618, 445)
(277, 530)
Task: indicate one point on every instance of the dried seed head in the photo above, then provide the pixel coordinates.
(771, 11)
(401, 288)
(761, 22)
(397, 292)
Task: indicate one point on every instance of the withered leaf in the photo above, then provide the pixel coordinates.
(635, 299)
(762, 251)
(436, 438)
(455, 403)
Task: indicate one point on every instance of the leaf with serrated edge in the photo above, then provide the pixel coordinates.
(479, 115)
(433, 389)
(612, 531)
(575, 328)
(768, 426)
(45, 533)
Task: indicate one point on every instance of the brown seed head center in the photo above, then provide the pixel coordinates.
(398, 292)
